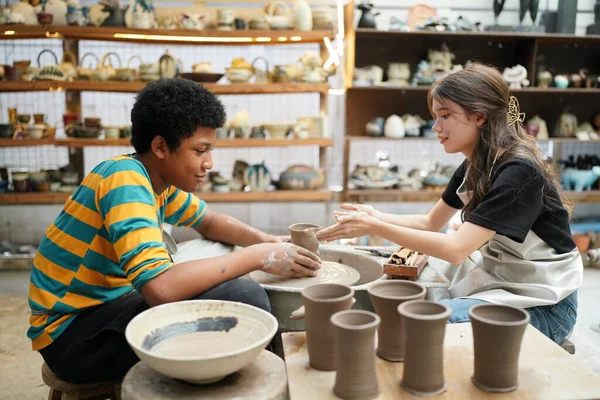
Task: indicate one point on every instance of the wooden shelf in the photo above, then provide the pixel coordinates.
(421, 138)
(209, 197)
(26, 142)
(433, 195)
(159, 36)
(275, 196)
(34, 198)
(75, 142)
(134, 87)
(394, 35)
(529, 90)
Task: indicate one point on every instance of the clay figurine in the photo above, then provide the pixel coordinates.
(116, 16)
(594, 29)
(528, 5)
(516, 77)
(579, 180)
(367, 18)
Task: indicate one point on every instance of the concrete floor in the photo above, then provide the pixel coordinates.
(20, 366)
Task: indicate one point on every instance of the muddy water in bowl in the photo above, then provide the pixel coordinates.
(201, 344)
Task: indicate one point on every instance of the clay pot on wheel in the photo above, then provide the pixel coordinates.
(497, 336)
(423, 327)
(386, 296)
(305, 235)
(356, 376)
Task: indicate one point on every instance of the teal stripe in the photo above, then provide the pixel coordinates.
(58, 255)
(119, 229)
(127, 256)
(87, 198)
(130, 164)
(42, 281)
(63, 308)
(124, 195)
(76, 228)
(173, 195)
(65, 324)
(176, 216)
(95, 292)
(103, 233)
(35, 331)
(34, 305)
(101, 264)
(148, 275)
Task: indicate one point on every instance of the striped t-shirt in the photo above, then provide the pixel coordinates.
(106, 241)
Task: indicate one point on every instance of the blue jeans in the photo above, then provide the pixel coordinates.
(555, 321)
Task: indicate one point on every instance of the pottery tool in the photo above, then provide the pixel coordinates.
(405, 263)
(330, 272)
(376, 252)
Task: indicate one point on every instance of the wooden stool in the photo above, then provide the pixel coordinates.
(568, 346)
(61, 390)
(264, 379)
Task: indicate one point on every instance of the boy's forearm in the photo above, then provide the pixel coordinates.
(226, 229)
(191, 278)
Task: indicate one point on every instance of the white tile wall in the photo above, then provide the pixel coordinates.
(28, 223)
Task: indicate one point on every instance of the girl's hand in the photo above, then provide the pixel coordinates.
(350, 224)
(359, 207)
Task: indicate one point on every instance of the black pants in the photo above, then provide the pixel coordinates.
(93, 348)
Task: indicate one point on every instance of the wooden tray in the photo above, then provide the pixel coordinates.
(409, 272)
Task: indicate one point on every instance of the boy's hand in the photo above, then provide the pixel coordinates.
(289, 260)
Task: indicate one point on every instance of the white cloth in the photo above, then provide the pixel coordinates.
(524, 274)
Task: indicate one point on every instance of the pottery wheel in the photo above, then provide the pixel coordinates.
(330, 272)
(265, 378)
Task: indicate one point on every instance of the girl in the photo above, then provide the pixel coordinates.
(512, 210)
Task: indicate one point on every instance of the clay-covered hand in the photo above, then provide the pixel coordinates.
(289, 260)
(358, 207)
(276, 239)
(350, 224)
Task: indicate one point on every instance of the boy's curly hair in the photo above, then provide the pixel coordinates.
(173, 109)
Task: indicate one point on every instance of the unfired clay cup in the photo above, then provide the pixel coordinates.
(305, 235)
(320, 303)
(423, 326)
(497, 336)
(356, 376)
(386, 296)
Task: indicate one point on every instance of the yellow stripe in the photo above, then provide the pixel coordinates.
(174, 205)
(91, 277)
(53, 270)
(38, 320)
(148, 254)
(149, 267)
(41, 341)
(127, 210)
(104, 247)
(92, 181)
(42, 297)
(66, 241)
(132, 239)
(122, 178)
(78, 301)
(192, 209)
(83, 214)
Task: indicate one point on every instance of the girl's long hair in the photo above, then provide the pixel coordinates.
(480, 90)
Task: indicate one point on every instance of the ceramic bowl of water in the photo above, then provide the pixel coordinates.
(200, 341)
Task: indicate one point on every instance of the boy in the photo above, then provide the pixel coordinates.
(103, 260)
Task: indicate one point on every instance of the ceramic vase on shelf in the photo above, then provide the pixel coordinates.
(302, 16)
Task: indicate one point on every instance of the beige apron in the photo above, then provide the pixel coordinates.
(524, 274)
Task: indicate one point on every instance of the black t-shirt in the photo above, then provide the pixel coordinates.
(515, 204)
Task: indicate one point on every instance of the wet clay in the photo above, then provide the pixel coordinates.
(497, 336)
(386, 296)
(330, 272)
(423, 327)
(356, 376)
(201, 344)
(320, 303)
(305, 235)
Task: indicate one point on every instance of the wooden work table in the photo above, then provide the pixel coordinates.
(546, 371)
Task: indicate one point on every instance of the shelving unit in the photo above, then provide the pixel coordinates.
(70, 37)
(501, 49)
